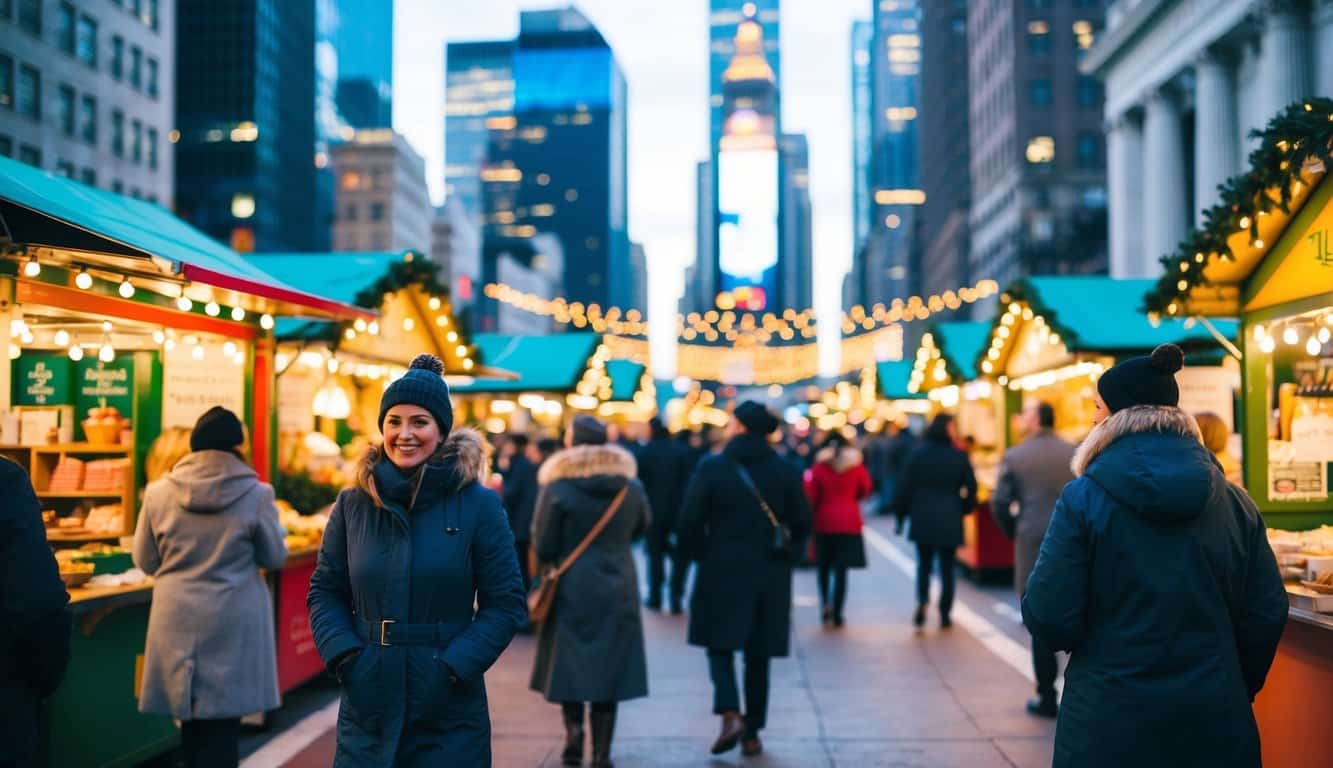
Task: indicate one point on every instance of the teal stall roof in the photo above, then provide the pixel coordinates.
(961, 343)
(893, 379)
(338, 276)
(99, 222)
(1103, 314)
(553, 363)
(625, 378)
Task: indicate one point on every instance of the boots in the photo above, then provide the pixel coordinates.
(603, 728)
(733, 727)
(573, 753)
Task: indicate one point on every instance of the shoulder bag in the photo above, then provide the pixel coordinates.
(543, 597)
(780, 543)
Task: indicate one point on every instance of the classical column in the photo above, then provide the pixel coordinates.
(1124, 183)
(1323, 47)
(1166, 216)
(1216, 143)
(1286, 56)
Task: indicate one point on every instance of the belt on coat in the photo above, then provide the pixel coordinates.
(387, 632)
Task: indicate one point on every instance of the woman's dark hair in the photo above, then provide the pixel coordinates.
(835, 440)
(938, 431)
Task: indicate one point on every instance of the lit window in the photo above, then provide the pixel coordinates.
(543, 179)
(351, 180)
(1089, 150)
(1038, 27)
(86, 42)
(893, 221)
(242, 206)
(571, 195)
(1041, 149)
(6, 82)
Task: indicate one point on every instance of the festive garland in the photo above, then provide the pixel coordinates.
(402, 274)
(1298, 137)
(1023, 293)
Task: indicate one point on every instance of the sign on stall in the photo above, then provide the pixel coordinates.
(191, 386)
(1209, 389)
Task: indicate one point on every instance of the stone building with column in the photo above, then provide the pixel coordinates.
(1185, 83)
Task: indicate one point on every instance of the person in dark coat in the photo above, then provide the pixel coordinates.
(34, 611)
(901, 443)
(1156, 575)
(416, 591)
(1031, 476)
(664, 470)
(520, 497)
(742, 589)
(590, 649)
(836, 485)
(935, 489)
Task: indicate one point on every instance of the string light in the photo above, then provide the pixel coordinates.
(76, 353)
(126, 288)
(212, 309)
(266, 322)
(62, 338)
(83, 280)
(32, 268)
(237, 314)
(107, 353)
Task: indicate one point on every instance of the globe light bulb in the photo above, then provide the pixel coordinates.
(1313, 346)
(237, 314)
(62, 338)
(1289, 336)
(106, 354)
(83, 280)
(184, 304)
(1267, 345)
(266, 322)
(212, 309)
(126, 289)
(32, 268)
(76, 353)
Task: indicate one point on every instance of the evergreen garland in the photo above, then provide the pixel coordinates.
(402, 274)
(1299, 136)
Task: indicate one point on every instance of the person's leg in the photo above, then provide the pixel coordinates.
(603, 720)
(839, 593)
(190, 746)
(1046, 668)
(213, 743)
(946, 584)
(756, 692)
(822, 580)
(680, 569)
(722, 670)
(572, 713)
(521, 550)
(656, 570)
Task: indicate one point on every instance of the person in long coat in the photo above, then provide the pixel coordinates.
(1157, 577)
(204, 531)
(416, 591)
(742, 591)
(34, 610)
(590, 649)
(520, 497)
(665, 467)
(836, 485)
(1031, 476)
(935, 489)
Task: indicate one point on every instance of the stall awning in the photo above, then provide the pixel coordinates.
(553, 363)
(41, 210)
(626, 376)
(960, 344)
(893, 378)
(337, 276)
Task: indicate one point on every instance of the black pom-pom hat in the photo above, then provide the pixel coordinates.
(423, 386)
(1148, 380)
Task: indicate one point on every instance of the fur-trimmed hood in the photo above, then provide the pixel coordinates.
(840, 460)
(465, 449)
(1151, 459)
(587, 461)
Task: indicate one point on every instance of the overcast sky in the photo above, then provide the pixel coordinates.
(662, 47)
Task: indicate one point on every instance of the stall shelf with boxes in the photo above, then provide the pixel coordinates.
(125, 325)
(1265, 255)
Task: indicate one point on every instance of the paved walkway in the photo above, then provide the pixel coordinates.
(875, 693)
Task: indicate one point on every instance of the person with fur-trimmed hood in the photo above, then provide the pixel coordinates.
(416, 591)
(590, 650)
(1156, 575)
(836, 485)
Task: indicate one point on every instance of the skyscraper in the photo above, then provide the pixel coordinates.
(382, 202)
(723, 18)
(330, 127)
(365, 62)
(942, 231)
(478, 101)
(863, 36)
(245, 110)
(896, 63)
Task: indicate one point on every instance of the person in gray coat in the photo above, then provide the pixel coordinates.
(204, 531)
(1031, 477)
(591, 646)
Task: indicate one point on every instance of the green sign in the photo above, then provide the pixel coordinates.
(41, 379)
(98, 383)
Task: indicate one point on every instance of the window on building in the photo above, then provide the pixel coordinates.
(65, 168)
(1039, 38)
(65, 109)
(379, 241)
(65, 28)
(1089, 150)
(88, 176)
(88, 119)
(28, 95)
(118, 187)
(86, 41)
(6, 82)
(118, 133)
(152, 148)
(30, 16)
(349, 214)
(136, 67)
(30, 155)
(117, 57)
(1041, 149)
(152, 77)
(6, 146)
(1040, 92)
(136, 141)
(1088, 91)
(377, 211)
(149, 14)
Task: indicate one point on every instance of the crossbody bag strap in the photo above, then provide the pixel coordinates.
(754, 489)
(596, 529)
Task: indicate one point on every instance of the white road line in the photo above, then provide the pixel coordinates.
(1006, 648)
(1009, 612)
(293, 741)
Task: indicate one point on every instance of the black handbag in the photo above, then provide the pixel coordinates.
(780, 543)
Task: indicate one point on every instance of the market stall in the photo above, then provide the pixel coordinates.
(1265, 255)
(125, 326)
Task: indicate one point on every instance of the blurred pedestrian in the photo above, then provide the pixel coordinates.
(664, 470)
(205, 530)
(542, 450)
(520, 497)
(935, 489)
(590, 650)
(1156, 575)
(742, 511)
(34, 612)
(1031, 476)
(901, 443)
(1217, 438)
(417, 590)
(838, 483)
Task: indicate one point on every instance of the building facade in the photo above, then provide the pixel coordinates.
(797, 248)
(478, 101)
(87, 90)
(1185, 85)
(1036, 156)
(456, 247)
(863, 120)
(723, 18)
(245, 116)
(365, 62)
(943, 148)
(382, 201)
(533, 265)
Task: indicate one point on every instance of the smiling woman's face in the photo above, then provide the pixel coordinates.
(411, 436)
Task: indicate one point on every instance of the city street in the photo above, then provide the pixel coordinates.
(874, 693)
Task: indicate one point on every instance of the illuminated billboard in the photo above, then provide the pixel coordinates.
(748, 226)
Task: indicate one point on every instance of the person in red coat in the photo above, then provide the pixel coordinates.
(836, 485)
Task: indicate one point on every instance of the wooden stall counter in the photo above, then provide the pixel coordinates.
(1297, 699)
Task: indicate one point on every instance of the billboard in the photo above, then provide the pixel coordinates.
(748, 226)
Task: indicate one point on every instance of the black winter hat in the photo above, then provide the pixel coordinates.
(423, 386)
(589, 430)
(1149, 380)
(757, 419)
(217, 430)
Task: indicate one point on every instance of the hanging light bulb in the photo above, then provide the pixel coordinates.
(1313, 346)
(332, 365)
(1324, 334)
(107, 353)
(359, 325)
(106, 326)
(212, 309)
(1289, 336)
(14, 351)
(83, 280)
(434, 302)
(373, 328)
(76, 353)
(126, 289)
(266, 322)
(26, 336)
(62, 338)
(409, 324)
(32, 268)
(1267, 345)
(169, 344)
(159, 337)
(229, 349)
(183, 302)
(197, 353)
(237, 314)
(1259, 333)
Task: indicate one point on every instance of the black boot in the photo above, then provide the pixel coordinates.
(603, 728)
(573, 754)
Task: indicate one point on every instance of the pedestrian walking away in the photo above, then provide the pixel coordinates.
(34, 610)
(1156, 575)
(742, 510)
(836, 485)
(416, 591)
(590, 650)
(520, 497)
(936, 488)
(1031, 476)
(665, 467)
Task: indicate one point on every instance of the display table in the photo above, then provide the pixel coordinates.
(298, 658)
(987, 553)
(1294, 707)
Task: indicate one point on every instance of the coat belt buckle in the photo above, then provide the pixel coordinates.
(384, 632)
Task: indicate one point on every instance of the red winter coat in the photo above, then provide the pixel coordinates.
(836, 486)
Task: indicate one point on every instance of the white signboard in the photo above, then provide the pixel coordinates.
(296, 400)
(1209, 388)
(191, 385)
(1312, 438)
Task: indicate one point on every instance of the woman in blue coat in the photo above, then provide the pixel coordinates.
(1157, 577)
(406, 556)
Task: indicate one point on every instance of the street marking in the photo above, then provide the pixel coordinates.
(805, 601)
(293, 741)
(1009, 612)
